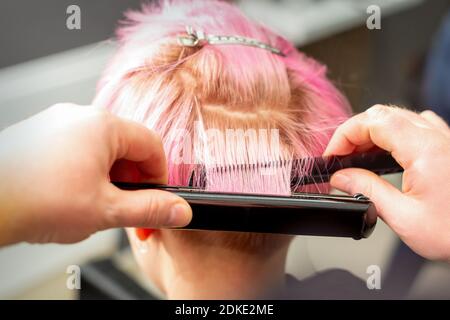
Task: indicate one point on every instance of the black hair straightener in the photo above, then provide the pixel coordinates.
(297, 214)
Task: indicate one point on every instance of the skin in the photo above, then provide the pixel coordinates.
(55, 171)
(420, 212)
(191, 270)
(39, 156)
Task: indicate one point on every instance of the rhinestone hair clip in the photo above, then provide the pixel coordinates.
(196, 38)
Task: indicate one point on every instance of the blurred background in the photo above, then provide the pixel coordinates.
(42, 63)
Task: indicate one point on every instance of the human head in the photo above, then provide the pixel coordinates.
(181, 91)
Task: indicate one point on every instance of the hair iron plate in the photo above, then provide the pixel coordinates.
(297, 214)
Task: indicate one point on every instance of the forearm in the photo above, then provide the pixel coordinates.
(7, 226)
(8, 204)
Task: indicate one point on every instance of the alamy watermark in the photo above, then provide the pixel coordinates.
(73, 20)
(373, 22)
(73, 281)
(217, 147)
(373, 281)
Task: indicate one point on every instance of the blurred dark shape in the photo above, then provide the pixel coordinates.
(436, 86)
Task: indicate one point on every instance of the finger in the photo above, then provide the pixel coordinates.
(125, 171)
(138, 144)
(426, 119)
(386, 197)
(434, 119)
(146, 209)
(363, 148)
(385, 127)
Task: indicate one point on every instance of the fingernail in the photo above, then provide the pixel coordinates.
(340, 181)
(180, 215)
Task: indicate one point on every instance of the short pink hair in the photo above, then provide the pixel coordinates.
(154, 80)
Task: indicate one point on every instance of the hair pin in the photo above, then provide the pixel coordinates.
(196, 38)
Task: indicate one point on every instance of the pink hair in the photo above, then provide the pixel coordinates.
(155, 81)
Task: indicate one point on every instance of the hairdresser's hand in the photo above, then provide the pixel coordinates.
(54, 177)
(420, 143)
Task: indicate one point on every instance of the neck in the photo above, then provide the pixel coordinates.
(221, 273)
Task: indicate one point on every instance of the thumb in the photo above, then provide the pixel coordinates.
(387, 199)
(147, 209)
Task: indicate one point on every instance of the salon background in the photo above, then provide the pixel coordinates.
(42, 62)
